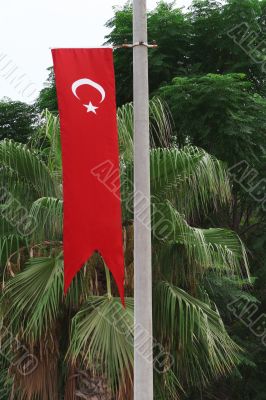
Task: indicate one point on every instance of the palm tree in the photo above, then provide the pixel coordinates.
(84, 341)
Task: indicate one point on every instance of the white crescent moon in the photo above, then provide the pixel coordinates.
(89, 82)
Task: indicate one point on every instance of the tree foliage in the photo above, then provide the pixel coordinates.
(17, 120)
(208, 38)
(47, 98)
(229, 117)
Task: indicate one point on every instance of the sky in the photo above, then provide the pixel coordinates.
(29, 28)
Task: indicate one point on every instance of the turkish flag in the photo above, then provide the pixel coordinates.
(91, 181)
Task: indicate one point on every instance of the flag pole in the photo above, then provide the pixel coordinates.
(143, 342)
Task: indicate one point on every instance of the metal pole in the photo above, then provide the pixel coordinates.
(143, 362)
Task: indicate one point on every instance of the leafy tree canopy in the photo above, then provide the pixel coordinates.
(17, 120)
(169, 27)
(47, 98)
(198, 41)
(220, 113)
(211, 37)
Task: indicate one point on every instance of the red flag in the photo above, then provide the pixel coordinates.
(92, 208)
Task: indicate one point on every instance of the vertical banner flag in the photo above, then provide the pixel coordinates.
(91, 181)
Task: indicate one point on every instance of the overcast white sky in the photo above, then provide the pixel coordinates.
(28, 28)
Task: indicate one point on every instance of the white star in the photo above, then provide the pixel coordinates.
(90, 107)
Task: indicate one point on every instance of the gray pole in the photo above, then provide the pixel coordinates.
(143, 363)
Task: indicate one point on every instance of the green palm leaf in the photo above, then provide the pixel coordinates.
(176, 173)
(48, 213)
(196, 334)
(102, 332)
(160, 127)
(218, 249)
(27, 166)
(32, 299)
(10, 245)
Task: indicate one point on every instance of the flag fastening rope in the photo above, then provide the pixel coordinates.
(132, 45)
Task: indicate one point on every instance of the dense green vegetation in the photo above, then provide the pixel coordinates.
(17, 120)
(187, 322)
(208, 79)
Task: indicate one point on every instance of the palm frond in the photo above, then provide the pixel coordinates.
(218, 249)
(27, 167)
(176, 173)
(48, 213)
(125, 131)
(102, 334)
(161, 123)
(10, 244)
(20, 190)
(167, 386)
(196, 336)
(31, 299)
(160, 127)
(52, 132)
